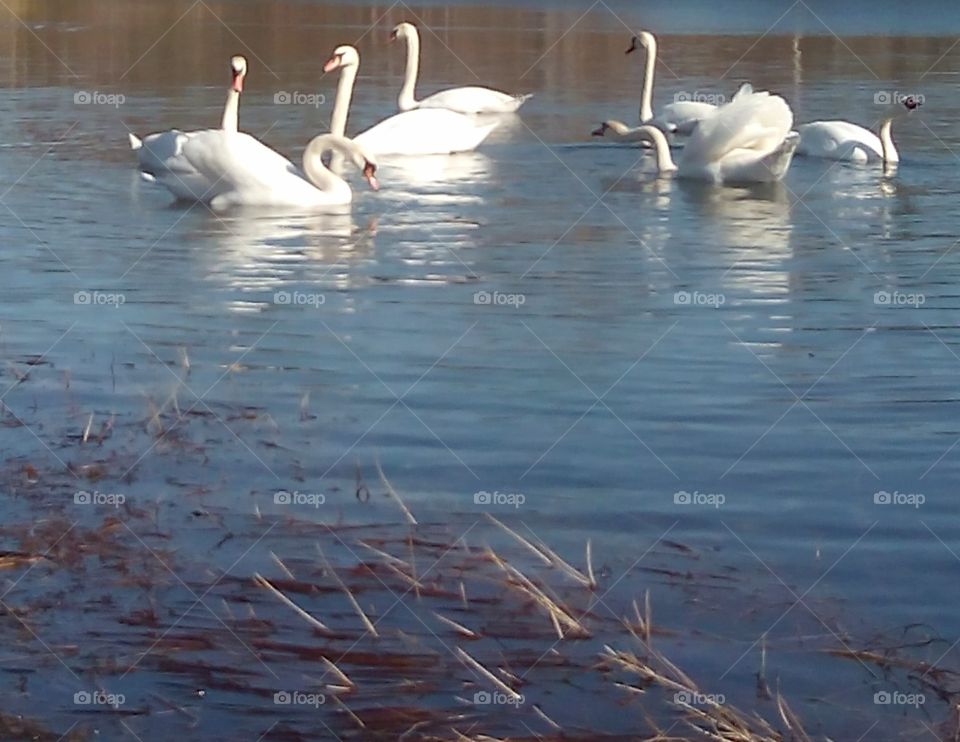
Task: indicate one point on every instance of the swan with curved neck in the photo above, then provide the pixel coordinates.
(680, 117)
(154, 149)
(619, 131)
(847, 142)
(746, 141)
(471, 99)
(422, 131)
(226, 169)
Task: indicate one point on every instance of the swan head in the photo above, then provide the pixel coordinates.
(643, 40)
(343, 56)
(366, 164)
(617, 127)
(369, 172)
(403, 31)
(238, 71)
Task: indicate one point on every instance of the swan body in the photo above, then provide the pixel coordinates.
(745, 141)
(472, 99)
(155, 149)
(846, 142)
(228, 168)
(422, 131)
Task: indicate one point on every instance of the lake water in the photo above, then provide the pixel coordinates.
(769, 376)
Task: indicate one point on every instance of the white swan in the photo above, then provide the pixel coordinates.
(229, 168)
(471, 99)
(422, 131)
(841, 140)
(619, 131)
(745, 141)
(680, 117)
(154, 149)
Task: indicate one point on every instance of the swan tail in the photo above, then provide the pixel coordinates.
(778, 161)
(513, 103)
(745, 89)
(135, 141)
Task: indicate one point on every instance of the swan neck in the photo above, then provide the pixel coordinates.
(665, 163)
(341, 104)
(231, 112)
(890, 153)
(318, 173)
(407, 99)
(646, 95)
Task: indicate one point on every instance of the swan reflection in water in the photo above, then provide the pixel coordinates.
(261, 251)
(750, 228)
(435, 180)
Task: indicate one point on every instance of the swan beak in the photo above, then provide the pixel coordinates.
(332, 63)
(237, 84)
(368, 172)
(393, 35)
(599, 132)
(634, 45)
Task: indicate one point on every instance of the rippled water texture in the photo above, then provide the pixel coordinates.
(754, 373)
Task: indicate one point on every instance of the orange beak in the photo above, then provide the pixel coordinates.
(237, 84)
(332, 63)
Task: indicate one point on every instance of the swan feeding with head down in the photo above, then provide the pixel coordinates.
(471, 99)
(422, 131)
(846, 142)
(154, 149)
(745, 141)
(228, 168)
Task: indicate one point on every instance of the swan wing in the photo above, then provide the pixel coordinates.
(425, 131)
(243, 171)
(474, 99)
(230, 168)
(683, 116)
(752, 121)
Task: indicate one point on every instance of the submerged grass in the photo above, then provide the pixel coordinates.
(214, 624)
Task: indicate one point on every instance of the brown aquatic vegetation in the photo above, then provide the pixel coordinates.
(403, 628)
